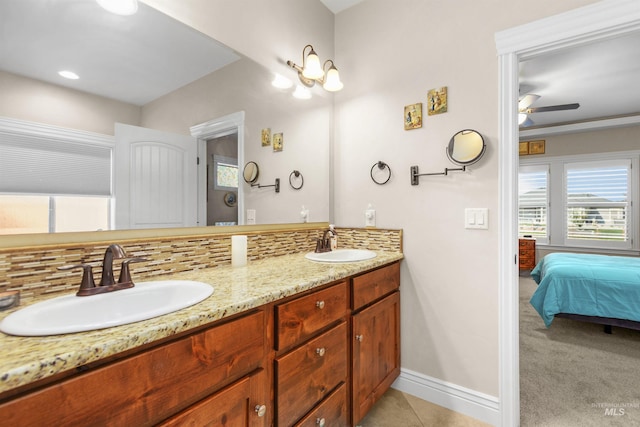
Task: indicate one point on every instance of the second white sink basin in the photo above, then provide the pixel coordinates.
(341, 255)
(70, 313)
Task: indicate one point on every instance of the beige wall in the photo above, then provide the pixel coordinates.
(33, 100)
(600, 141)
(391, 54)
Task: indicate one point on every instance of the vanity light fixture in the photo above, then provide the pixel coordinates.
(311, 72)
(120, 7)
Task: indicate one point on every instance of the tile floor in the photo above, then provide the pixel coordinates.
(397, 409)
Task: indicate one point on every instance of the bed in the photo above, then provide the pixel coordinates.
(596, 288)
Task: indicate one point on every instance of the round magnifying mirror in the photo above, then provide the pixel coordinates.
(250, 172)
(466, 147)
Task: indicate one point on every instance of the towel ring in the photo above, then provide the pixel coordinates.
(382, 166)
(293, 175)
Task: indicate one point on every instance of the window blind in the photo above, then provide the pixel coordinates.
(533, 201)
(597, 200)
(40, 165)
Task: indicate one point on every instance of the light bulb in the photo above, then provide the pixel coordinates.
(312, 68)
(522, 117)
(333, 83)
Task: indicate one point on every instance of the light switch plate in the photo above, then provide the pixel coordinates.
(476, 218)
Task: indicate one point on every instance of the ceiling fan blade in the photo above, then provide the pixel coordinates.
(552, 108)
(526, 101)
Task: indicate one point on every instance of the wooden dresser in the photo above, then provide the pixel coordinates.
(527, 254)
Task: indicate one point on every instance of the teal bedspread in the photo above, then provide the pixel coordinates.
(590, 285)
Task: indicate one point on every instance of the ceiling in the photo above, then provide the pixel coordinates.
(336, 6)
(41, 38)
(602, 77)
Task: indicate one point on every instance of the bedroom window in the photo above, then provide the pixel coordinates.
(533, 202)
(597, 203)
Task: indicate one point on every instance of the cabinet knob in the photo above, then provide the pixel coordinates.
(320, 351)
(320, 421)
(359, 338)
(320, 304)
(261, 410)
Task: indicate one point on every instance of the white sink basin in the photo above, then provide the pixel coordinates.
(70, 313)
(341, 255)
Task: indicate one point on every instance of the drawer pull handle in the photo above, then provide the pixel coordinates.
(359, 338)
(320, 304)
(320, 351)
(261, 410)
(320, 421)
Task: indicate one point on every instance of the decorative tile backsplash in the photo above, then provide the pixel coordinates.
(34, 271)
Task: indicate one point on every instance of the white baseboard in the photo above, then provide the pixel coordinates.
(478, 405)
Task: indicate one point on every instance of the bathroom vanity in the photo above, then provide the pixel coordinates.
(283, 341)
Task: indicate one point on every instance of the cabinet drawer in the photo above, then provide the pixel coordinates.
(527, 243)
(307, 374)
(227, 407)
(299, 319)
(375, 284)
(331, 412)
(146, 388)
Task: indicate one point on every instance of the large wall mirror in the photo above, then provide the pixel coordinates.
(145, 88)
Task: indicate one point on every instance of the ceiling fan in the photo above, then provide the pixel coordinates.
(524, 108)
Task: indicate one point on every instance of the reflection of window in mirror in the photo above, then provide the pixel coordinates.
(20, 214)
(225, 173)
(53, 179)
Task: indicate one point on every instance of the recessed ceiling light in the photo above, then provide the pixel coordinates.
(120, 7)
(69, 75)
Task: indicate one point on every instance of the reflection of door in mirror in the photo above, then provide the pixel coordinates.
(155, 176)
(222, 179)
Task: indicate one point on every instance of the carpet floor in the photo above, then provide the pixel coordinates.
(573, 374)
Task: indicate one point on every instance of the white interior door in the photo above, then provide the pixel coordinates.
(155, 178)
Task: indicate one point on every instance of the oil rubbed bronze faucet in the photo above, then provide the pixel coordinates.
(113, 252)
(107, 281)
(324, 244)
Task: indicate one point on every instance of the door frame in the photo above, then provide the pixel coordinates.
(215, 128)
(601, 20)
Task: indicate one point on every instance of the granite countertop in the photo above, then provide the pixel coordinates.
(27, 359)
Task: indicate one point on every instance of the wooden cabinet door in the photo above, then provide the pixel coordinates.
(376, 353)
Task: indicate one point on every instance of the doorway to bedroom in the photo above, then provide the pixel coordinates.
(587, 24)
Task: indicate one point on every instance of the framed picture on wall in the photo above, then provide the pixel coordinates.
(536, 147)
(278, 141)
(413, 116)
(437, 101)
(523, 148)
(266, 137)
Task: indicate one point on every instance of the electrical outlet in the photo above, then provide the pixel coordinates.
(304, 214)
(251, 216)
(370, 218)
